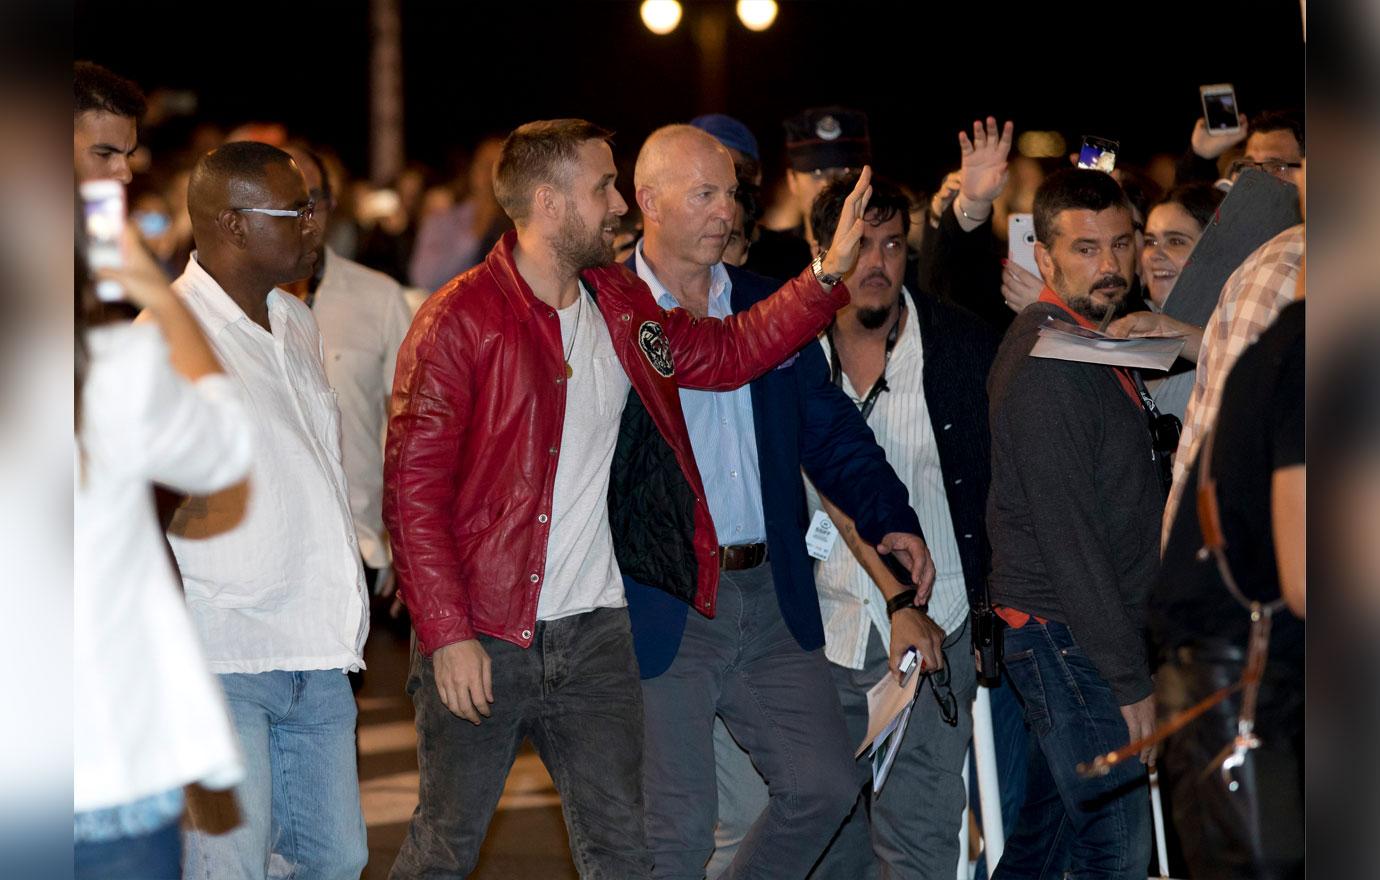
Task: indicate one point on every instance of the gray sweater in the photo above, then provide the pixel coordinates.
(1074, 509)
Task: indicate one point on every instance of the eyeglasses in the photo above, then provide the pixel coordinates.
(303, 214)
(1276, 167)
(944, 695)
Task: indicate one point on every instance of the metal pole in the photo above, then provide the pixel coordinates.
(989, 789)
(385, 92)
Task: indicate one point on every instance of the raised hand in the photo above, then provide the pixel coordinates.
(1209, 146)
(982, 175)
(843, 251)
(944, 197)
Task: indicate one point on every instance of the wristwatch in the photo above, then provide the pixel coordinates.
(826, 280)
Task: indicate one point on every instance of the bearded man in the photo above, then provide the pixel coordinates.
(536, 453)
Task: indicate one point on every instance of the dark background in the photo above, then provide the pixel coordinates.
(922, 70)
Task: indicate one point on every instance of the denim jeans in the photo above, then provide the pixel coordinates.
(778, 701)
(575, 693)
(300, 795)
(153, 856)
(1089, 828)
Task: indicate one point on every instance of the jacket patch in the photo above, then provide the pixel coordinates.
(652, 340)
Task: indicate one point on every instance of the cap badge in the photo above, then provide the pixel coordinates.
(828, 128)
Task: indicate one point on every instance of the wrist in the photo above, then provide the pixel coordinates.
(902, 600)
(973, 210)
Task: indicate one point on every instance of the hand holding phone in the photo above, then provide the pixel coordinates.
(1222, 125)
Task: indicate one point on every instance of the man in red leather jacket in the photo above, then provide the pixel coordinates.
(516, 456)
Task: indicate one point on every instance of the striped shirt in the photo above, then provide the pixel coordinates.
(850, 603)
(1251, 299)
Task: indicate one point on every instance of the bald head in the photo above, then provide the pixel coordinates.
(668, 152)
(685, 187)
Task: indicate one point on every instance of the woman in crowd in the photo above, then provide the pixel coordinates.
(151, 405)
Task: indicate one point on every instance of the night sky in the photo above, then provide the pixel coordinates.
(921, 70)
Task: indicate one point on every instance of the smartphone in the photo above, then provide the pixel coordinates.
(1220, 113)
(1020, 242)
(103, 203)
(1098, 154)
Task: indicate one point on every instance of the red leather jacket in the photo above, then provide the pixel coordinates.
(475, 424)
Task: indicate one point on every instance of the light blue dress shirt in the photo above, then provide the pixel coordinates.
(721, 430)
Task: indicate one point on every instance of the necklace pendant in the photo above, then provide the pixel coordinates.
(568, 371)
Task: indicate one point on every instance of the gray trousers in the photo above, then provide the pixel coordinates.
(911, 829)
(745, 666)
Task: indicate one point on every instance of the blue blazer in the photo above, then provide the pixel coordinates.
(800, 420)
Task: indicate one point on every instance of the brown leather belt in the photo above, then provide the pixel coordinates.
(741, 556)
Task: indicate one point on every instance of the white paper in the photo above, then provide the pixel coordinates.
(888, 713)
(819, 540)
(1063, 341)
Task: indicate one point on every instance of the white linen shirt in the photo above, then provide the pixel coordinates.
(363, 319)
(849, 602)
(271, 567)
(147, 715)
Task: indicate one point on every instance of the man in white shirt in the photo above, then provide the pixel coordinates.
(271, 567)
(916, 367)
(363, 319)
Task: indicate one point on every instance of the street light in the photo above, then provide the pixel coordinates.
(660, 16)
(757, 15)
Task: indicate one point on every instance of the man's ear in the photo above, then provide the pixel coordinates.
(232, 228)
(646, 202)
(548, 202)
(1045, 260)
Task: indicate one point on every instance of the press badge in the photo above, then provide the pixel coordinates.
(819, 540)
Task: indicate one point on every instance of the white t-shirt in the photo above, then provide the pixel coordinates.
(581, 572)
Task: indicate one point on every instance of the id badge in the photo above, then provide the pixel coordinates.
(819, 540)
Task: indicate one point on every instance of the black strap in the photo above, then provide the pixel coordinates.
(836, 369)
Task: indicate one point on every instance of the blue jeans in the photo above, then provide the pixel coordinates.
(152, 856)
(1091, 828)
(300, 795)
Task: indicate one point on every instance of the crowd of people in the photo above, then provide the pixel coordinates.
(666, 476)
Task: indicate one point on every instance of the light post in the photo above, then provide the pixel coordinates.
(709, 29)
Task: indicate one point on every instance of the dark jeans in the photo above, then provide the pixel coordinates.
(778, 701)
(153, 856)
(575, 693)
(1257, 830)
(1090, 828)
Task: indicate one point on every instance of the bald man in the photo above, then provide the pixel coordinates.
(759, 663)
(271, 567)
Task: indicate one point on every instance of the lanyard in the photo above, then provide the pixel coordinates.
(836, 369)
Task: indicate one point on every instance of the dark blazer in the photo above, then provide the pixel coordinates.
(959, 349)
(801, 420)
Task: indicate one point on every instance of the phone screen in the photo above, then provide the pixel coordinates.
(103, 202)
(1098, 153)
(1219, 110)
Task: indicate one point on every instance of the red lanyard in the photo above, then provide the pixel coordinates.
(1122, 374)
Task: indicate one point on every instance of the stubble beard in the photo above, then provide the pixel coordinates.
(578, 247)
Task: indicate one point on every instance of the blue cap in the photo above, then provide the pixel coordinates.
(729, 132)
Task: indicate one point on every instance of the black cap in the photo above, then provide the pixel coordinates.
(828, 137)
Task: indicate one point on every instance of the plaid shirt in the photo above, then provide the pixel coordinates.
(1251, 299)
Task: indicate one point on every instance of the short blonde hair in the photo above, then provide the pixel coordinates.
(536, 153)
